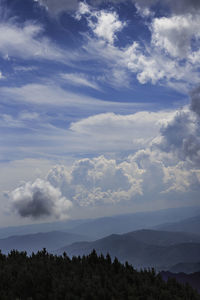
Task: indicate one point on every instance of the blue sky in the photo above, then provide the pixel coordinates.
(99, 109)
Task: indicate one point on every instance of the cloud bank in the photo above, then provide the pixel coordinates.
(169, 166)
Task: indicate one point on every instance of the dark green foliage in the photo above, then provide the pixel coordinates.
(44, 276)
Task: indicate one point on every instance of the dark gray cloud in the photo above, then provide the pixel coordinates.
(39, 199)
(182, 135)
(40, 205)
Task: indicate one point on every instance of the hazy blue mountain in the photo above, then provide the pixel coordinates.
(34, 242)
(43, 227)
(102, 227)
(163, 238)
(191, 225)
(192, 279)
(187, 268)
(124, 223)
(143, 248)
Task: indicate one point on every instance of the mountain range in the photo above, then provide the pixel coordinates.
(191, 225)
(35, 242)
(117, 224)
(154, 239)
(143, 249)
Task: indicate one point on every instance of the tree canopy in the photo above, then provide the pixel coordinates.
(45, 276)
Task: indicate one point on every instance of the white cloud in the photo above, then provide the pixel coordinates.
(38, 200)
(104, 24)
(120, 132)
(95, 182)
(26, 41)
(182, 178)
(79, 79)
(48, 133)
(173, 39)
(175, 34)
(151, 174)
(7, 120)
(144, 176)
(46, 94)
(51, 95)
(107, 26)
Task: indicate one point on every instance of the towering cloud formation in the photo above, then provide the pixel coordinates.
(182, 134)
(97, 181)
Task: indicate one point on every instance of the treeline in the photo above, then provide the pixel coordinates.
(44, 276)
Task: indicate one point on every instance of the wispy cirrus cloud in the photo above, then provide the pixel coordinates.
(26, 41)
(79, 79)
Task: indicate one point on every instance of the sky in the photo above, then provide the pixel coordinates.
(99, 108)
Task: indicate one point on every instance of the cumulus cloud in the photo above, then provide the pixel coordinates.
(146, 176)
(175, 34)
(172, 57)
(165, 168)
(39, 199)
(96, 181)
(182, 135)
(104, 24)
(182, 178)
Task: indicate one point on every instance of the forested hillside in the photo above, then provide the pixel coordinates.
(44, 276)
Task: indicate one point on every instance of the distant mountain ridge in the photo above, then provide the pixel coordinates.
(190, 225)
(121, 224)
(186, 268)
(35, 242)
(101, 227)
(145, 248)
